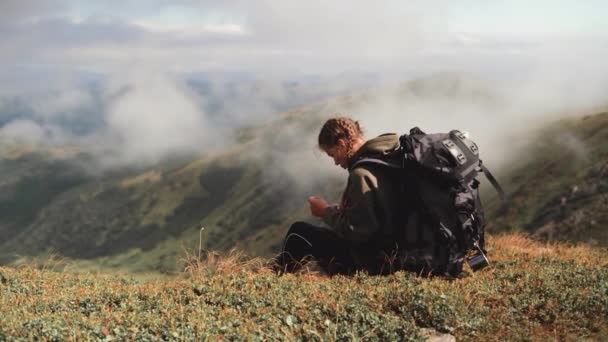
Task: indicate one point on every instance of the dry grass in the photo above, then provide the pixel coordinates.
(150, 176)
(532, 291)
(212, 263)
(506, 245)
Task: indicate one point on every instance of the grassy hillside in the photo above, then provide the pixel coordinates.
(558, 188)
(31, 179)
(565, 298)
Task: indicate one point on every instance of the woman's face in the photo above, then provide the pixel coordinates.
(339, 153)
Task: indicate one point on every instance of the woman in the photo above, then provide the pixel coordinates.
(359, 231)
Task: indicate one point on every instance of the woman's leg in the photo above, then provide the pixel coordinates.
(305, 241)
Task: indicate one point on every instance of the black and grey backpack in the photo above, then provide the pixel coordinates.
(442, 216)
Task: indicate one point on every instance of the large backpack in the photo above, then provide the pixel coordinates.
(442, 219)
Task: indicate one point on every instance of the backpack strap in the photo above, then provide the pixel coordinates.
(486, 172)
(494, 182)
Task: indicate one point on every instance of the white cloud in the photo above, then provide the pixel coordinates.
(23, 131)
(190, 30)
(151, 116)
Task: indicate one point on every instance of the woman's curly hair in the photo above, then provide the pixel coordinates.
(339, 128)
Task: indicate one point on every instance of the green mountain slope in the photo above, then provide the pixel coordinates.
(31, 181)
(558, 188)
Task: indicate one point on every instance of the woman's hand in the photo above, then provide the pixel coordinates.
(317, 206)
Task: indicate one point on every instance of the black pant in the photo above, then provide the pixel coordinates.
(305, 241)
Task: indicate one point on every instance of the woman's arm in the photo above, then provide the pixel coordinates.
(357, 219)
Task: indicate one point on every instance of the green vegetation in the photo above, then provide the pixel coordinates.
(559, 189)
(564, 297)
(29, 184)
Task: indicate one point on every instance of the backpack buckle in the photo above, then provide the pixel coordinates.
(464, 137)
(474, 148)
(455, 151)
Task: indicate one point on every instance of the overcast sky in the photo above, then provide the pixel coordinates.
(291, 37)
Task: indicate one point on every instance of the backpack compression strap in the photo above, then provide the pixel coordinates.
(374, 161)
(494, 182)
(486, 172)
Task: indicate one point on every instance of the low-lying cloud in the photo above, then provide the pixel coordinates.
(152, 116)
(498, 86)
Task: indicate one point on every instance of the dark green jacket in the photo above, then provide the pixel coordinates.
(370, 202)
